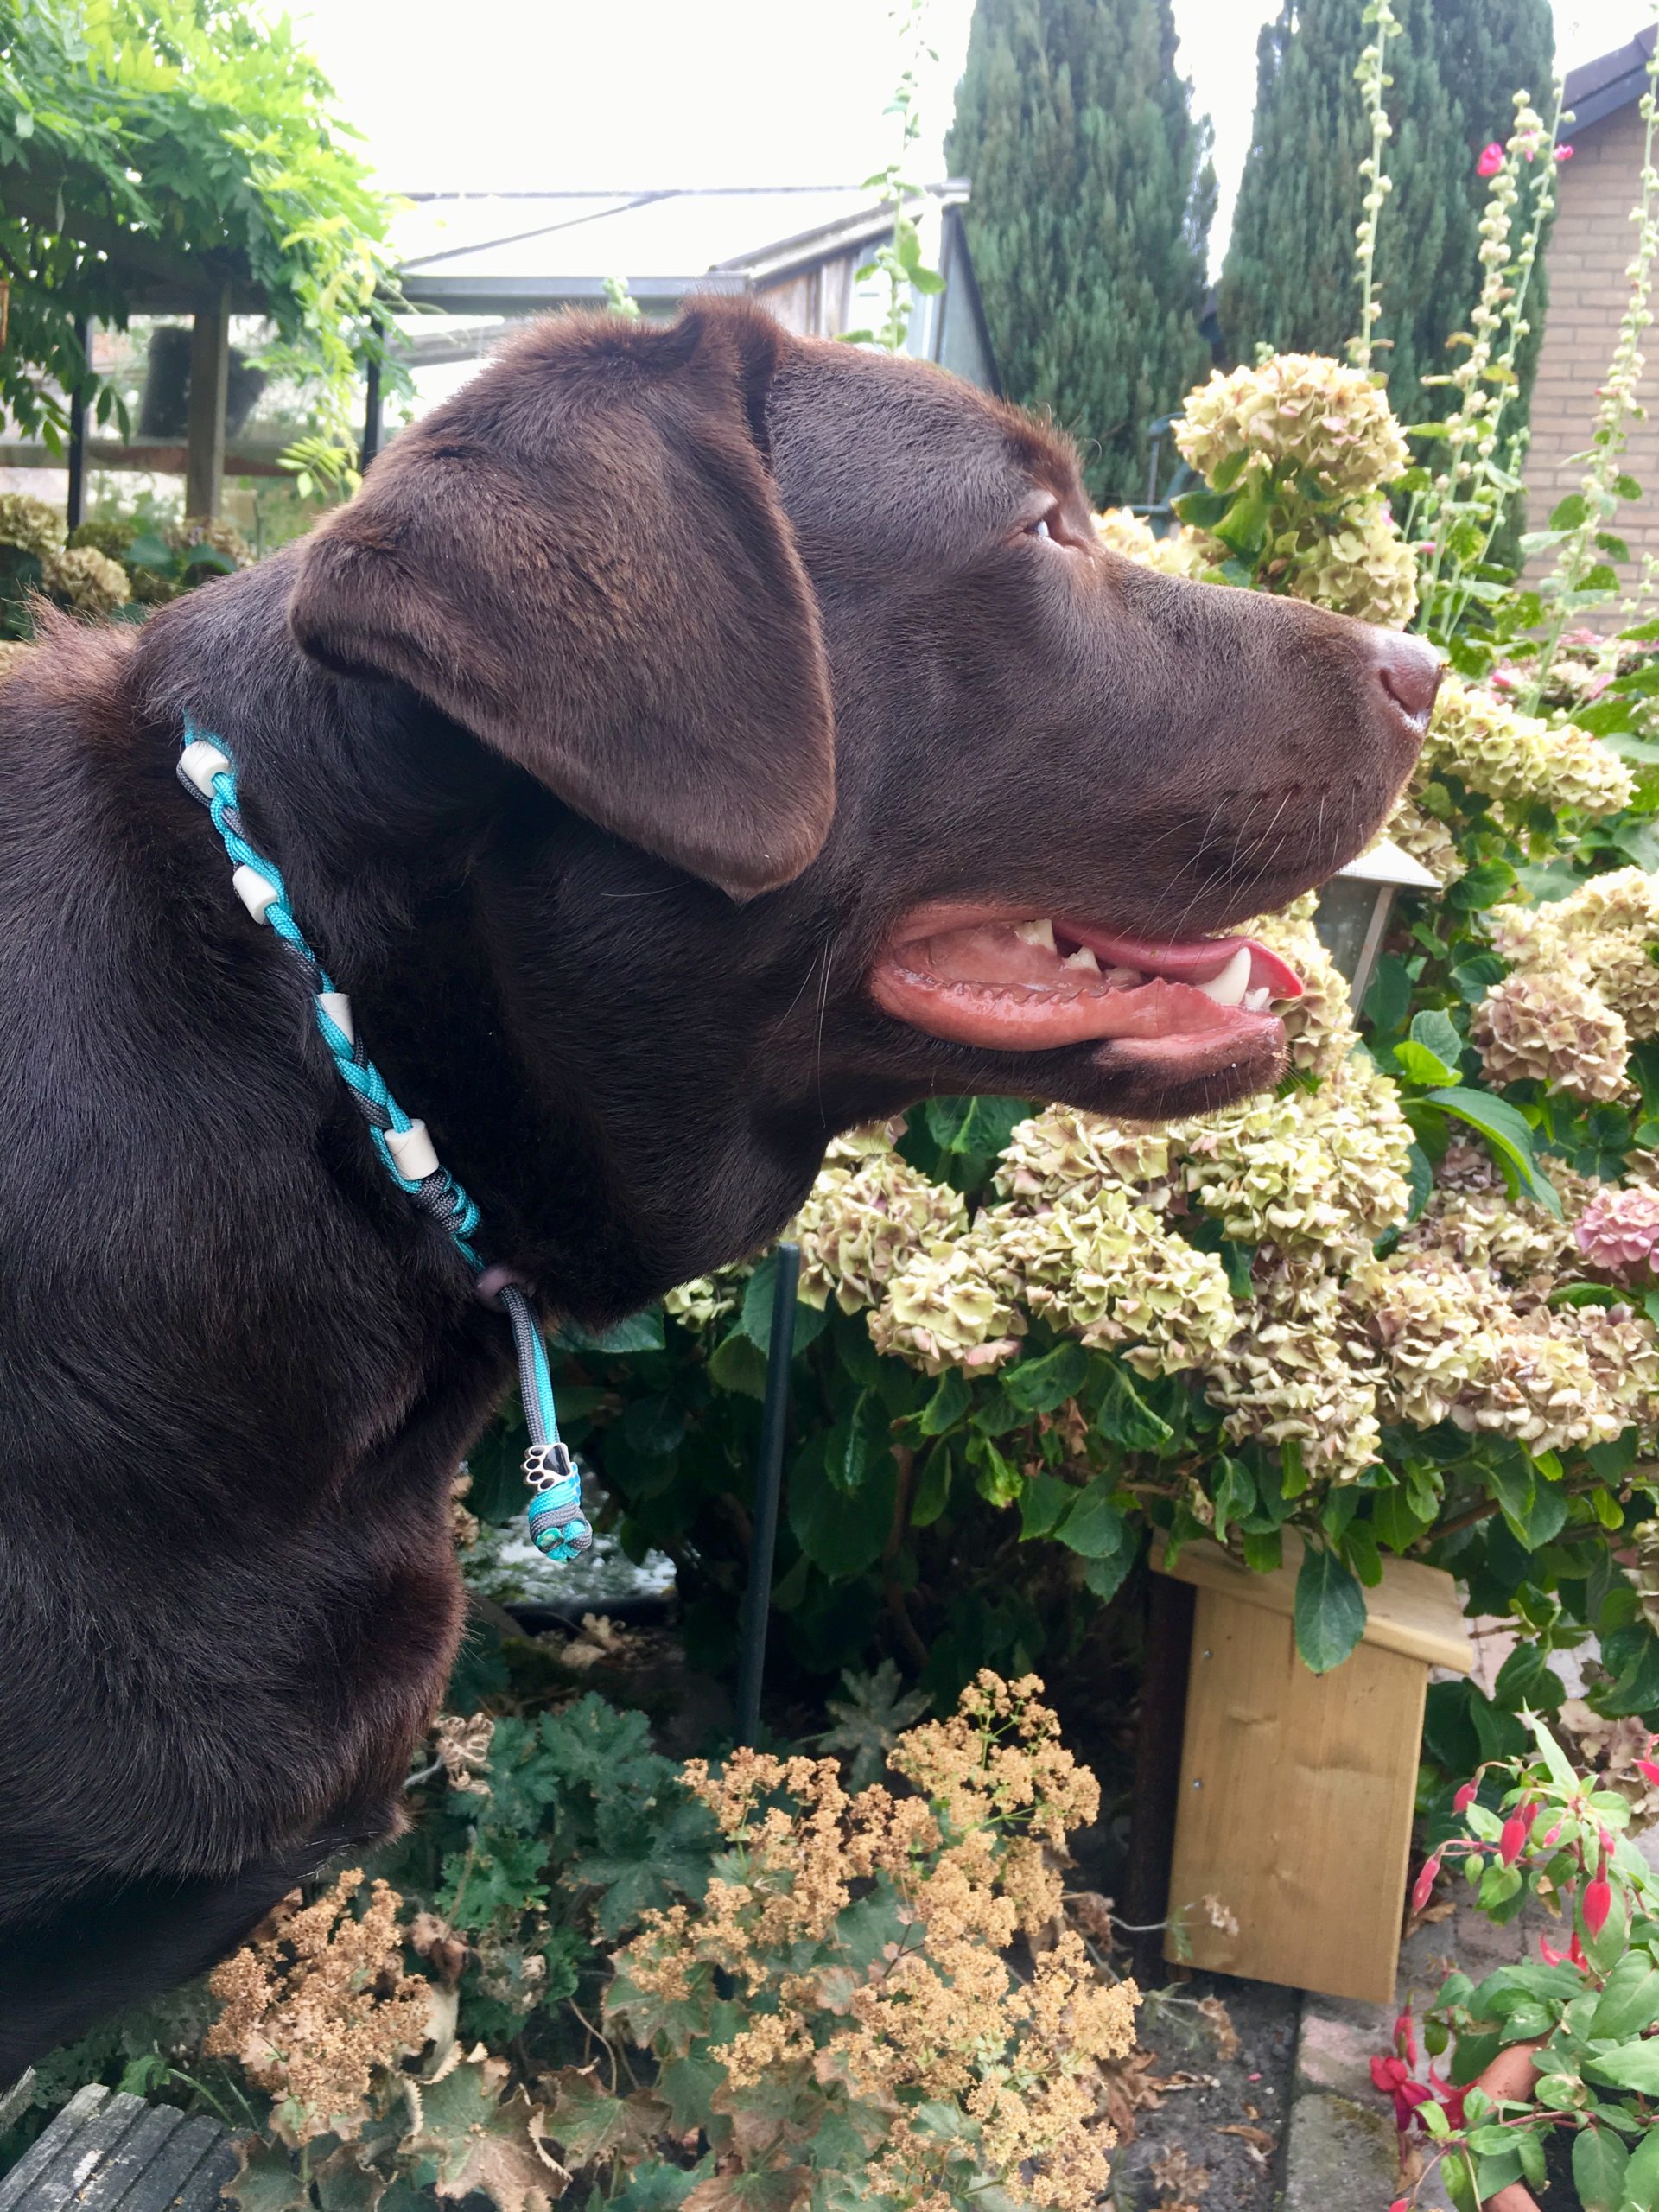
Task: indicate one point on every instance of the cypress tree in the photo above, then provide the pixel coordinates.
(1089, 224)
(1289, 279)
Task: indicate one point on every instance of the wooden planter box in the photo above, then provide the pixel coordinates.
(1296, 1789)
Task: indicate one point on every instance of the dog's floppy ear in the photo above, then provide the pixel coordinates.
(582, 559)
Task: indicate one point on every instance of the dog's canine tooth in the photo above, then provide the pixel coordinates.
(1228, 988)
(1257, 1002)
(1039, 933)
(1083, 957)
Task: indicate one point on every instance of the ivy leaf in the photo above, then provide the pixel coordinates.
(1126, 1418)
(1330, 1610)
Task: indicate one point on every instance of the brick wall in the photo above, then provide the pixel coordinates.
(1589, 253)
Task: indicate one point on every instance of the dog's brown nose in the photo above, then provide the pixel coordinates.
(1410, 673)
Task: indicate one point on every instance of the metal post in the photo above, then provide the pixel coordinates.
(370, 410)
(768, 1484)
(75, 510)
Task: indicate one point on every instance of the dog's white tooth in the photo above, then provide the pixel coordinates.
(1258, 1001)
(1228, 988)
(1039, 933)
(1125, 979)
(1083, 957)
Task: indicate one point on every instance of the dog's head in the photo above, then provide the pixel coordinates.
(853, 767)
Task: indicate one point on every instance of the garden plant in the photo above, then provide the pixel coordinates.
(1408, 1307)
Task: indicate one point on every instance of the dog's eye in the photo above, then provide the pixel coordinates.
(1049, 525)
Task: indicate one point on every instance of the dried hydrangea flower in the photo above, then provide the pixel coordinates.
(1184, 552)
(30, 525)
(1516, 760)
(1096, 1262)
(1606, 932)
(944, 1307)
(1355, 562)
(1427, 840)
(864, 1217)
(88, 579)
(1547, 1026)
(1302, 414)
(1063, 1148)
(707, 1301)
(1299, 1370)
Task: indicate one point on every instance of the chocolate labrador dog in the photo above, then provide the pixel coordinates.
(692, 740)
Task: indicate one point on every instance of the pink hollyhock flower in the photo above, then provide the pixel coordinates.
(1563, 153)
(1619, 1232)
(1424, 1888)
(1490, 160)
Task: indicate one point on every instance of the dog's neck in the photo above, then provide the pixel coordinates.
(426, 874)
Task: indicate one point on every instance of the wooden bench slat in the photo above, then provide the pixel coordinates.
(107, 2153)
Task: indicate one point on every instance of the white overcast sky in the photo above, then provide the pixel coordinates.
(519, 94)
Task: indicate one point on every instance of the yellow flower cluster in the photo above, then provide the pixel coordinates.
(1302, 414)
(315, 2008)
(937, 2016)
(1516, 760)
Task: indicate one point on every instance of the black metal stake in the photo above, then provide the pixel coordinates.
(75, 506)
(372, 426)
(768, 1484)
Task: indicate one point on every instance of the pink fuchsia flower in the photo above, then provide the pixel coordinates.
(1393, 2077)
(1424, 1886)
(1597, 1904)
(1619, 1232)
(1466, 1797)
(1490, 160)
(1563, 153)
(1405, 2037)
(1516, 1829)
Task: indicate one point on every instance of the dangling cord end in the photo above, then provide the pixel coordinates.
(557, 1524)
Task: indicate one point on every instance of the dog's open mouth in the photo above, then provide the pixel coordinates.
(992, 977)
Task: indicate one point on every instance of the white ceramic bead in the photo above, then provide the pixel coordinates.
(412, 1150)
(338, 1007)
(201, 762)
(258, 892)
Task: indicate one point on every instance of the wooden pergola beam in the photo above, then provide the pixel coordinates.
(210, 370)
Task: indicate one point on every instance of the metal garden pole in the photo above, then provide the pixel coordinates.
(768, 1484)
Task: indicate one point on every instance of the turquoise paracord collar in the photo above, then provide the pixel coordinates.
(557, 1524)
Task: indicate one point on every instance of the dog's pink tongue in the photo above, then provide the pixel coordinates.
(1008, 989)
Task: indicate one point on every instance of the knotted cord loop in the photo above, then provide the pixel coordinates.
(557, 1522)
